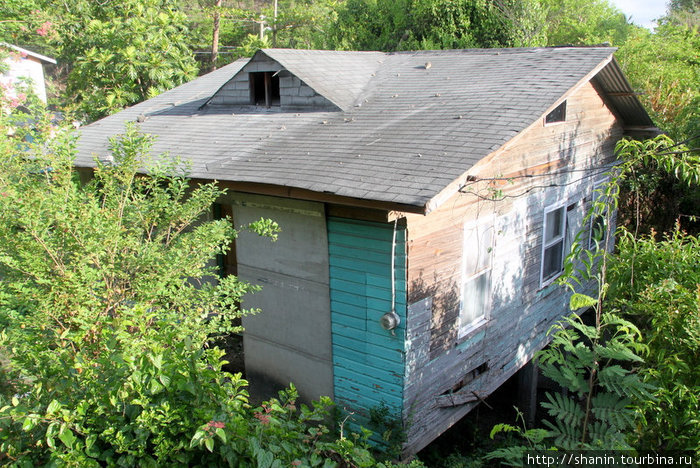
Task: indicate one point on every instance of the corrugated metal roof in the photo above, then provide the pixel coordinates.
(622, 97)
(411, 130)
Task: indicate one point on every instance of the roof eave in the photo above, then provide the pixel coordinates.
(621, 96)
(40, 57)
(311, 195)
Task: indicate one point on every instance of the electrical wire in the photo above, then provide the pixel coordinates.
(530, 189)
(393, 268)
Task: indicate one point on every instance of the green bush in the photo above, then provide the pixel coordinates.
(111, 313)
(106, 314)
(647, 305)
(657, 284)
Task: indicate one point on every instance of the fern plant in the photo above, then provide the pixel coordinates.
(596, 364)
(514, 455)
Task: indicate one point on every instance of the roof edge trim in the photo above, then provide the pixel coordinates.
(43, 58)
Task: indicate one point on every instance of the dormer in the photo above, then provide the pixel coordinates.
(295, 80)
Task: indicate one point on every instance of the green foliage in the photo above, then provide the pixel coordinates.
(665, 67)
(298, 24)
(684, 5)
(584, 23)
(110, 54)
(104, 310)
(513, 453)
(390, 427)
(432, 24)
(122, 53)
(110, 315)
(657, 191)
(657, 283)
(251, 44)
(596, 364)
(26, 23)
(683, 12)
(301, 24)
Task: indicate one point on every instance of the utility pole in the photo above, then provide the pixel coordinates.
(215, 36)
(274, 27)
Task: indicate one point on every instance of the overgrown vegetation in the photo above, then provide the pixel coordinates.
(655, 280)
(110, 322)
(631, 376)
(110, 317)
(114, 54)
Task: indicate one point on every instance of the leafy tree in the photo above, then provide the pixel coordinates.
(430, 24)
(578, 23)
(684, 5)
(659, 192)
(684, 13)
(110, 54)
(236, 21)
(296, 24)
(665, 66)
(110, 315)
(122, 52)
(301, 24)
(104, 330)
(26, 23)
(656, 283)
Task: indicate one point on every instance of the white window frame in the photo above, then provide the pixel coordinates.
(547, 244)
(482, 224)
(595, 196)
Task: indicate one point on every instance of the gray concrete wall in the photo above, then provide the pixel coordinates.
(290, 340)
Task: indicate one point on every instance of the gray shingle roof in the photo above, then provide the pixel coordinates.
(406, 131)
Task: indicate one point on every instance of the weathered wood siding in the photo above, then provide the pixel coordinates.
(368, 361)
(544, 165)
(294, 93)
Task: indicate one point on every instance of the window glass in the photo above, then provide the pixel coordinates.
(478, 239)
(477, 295)
(557, 115)
(552, 260)
(554, 224)
(476, 285)
(553, 243)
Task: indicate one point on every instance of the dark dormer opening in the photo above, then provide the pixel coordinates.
(264, 89)
(557, 115)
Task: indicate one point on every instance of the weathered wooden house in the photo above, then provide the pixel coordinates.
(426, 201)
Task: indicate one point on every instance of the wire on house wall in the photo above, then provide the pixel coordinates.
(464, 188)
(393, 268)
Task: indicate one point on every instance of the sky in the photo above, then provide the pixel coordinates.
(643, 12)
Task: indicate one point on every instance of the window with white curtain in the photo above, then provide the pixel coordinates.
(554, 231)
(476, 273)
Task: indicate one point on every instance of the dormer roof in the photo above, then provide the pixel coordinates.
(338, 77)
